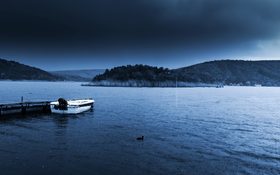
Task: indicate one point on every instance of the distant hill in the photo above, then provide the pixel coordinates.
(136, 72)
(141, 76)
(226, 72)
(78, 75)
(11, 70)
(233, 72)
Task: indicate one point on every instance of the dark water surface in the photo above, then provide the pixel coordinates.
(233, 130)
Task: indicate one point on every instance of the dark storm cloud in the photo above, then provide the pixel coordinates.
(170, 33)
(140, 21)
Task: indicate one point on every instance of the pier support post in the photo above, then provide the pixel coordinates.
(23, 110)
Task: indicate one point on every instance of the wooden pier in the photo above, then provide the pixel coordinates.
(24, 108)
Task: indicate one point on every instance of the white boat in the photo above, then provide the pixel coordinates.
(62, 106)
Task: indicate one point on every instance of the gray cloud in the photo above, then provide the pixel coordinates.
(155, 20)
(115, 25)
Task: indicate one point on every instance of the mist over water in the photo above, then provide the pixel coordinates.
(231, 130)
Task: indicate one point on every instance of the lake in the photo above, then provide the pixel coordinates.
(231, 130)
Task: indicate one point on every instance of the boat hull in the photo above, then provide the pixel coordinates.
(71, 110)
(72, 106)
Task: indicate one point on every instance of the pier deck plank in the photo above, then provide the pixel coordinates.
(24, 107)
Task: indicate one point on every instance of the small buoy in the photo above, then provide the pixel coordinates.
(140, 138)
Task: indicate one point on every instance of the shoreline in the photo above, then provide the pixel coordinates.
(143, 83)
(90, 84)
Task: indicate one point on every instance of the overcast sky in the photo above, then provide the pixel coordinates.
(83, 34)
